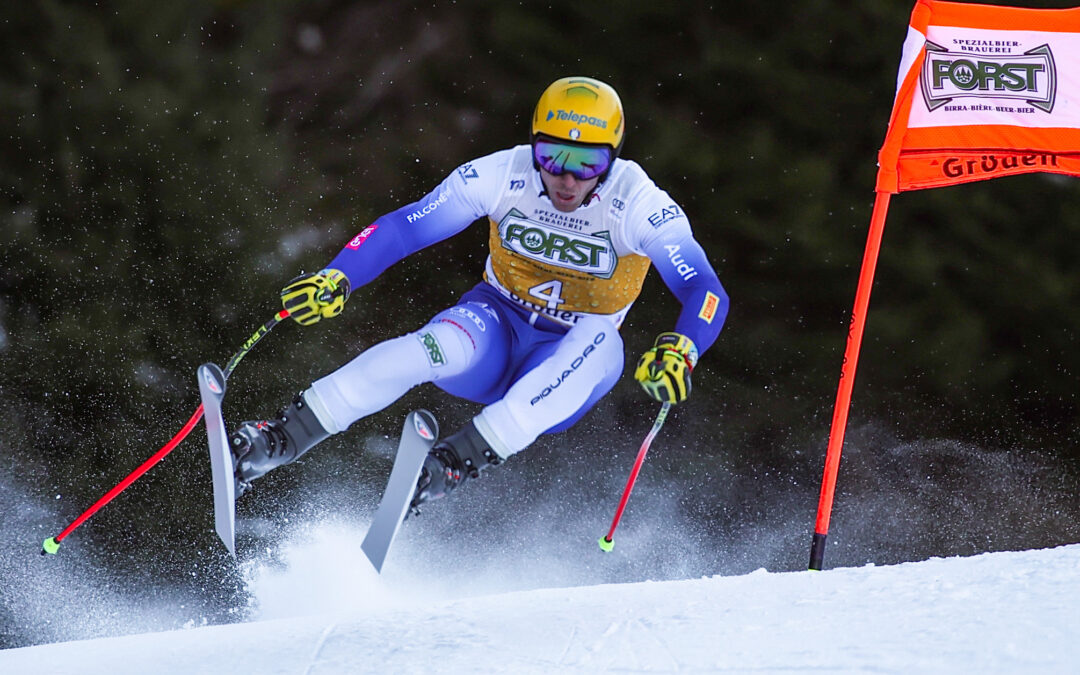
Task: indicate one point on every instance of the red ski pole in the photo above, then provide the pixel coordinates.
(52, 544)
(606, 542)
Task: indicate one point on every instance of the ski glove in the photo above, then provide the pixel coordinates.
(321, 295)
(664, 370)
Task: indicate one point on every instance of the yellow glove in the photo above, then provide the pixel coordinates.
(310, 297)
(664, 370)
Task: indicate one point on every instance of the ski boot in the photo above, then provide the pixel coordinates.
(259, 446)
(450, 461)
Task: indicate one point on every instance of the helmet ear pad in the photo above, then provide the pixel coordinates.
(618, 149)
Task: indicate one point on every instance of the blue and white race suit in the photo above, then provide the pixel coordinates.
(537, 340)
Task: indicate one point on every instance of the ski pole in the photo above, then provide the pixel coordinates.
(606, 542)
(52, 544)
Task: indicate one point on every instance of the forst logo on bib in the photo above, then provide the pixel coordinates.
(593, 254)
(1030, 77)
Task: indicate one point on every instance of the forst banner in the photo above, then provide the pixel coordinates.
(983, 91)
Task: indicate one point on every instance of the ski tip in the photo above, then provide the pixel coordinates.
(211, 374)
(606, 545)
(50, 546)
(423, 422)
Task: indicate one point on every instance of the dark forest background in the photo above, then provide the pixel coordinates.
(166, 167)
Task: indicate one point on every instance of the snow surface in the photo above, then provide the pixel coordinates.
(1007, 612)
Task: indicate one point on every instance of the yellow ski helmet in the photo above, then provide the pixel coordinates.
(580, 110)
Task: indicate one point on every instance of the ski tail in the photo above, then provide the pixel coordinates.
(417, 437)
(212, 391)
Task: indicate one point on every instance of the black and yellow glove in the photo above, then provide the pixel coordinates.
(320, 295)
(664, 370)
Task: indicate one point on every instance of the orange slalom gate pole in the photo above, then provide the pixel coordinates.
(847, 378)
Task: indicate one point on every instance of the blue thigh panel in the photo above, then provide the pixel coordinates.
(507, 347)
(502, 337)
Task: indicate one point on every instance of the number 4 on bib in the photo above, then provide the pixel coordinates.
(550, 292)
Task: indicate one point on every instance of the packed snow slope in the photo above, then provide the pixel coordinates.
(1011, 612)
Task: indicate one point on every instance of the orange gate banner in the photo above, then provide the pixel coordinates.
(983, 91)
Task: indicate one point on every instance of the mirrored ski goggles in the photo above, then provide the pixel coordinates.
(583, 161)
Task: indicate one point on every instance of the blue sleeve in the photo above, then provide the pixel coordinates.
(445, 211)
(686, 270)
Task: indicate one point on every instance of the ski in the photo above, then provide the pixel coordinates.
(417, 437)
(212, 390)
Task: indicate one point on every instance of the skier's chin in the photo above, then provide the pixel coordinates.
(564, 202)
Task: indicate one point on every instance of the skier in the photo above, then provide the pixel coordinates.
(573, 231)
